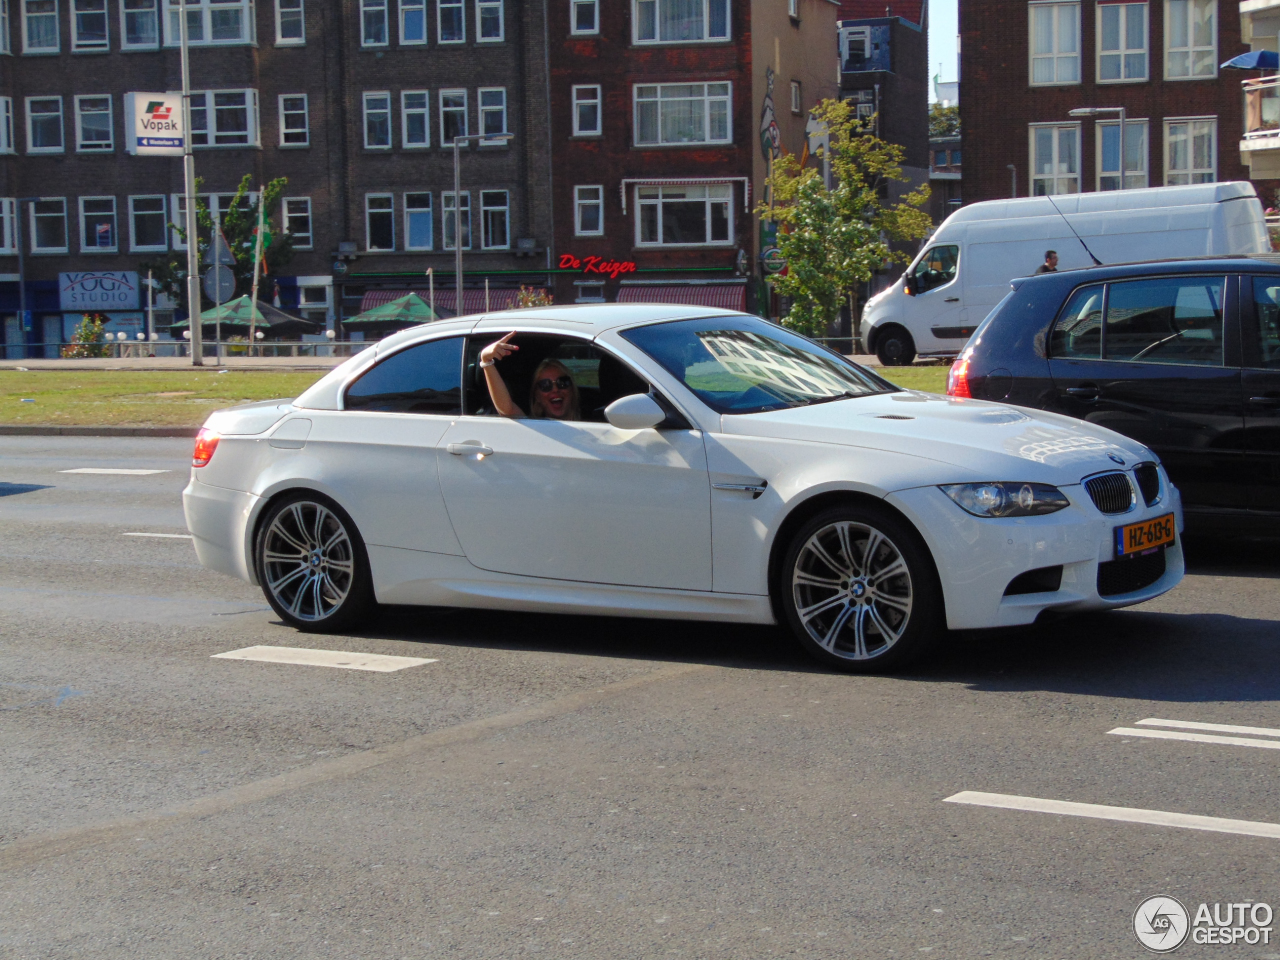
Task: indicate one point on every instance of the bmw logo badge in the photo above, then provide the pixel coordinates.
(1116, 459)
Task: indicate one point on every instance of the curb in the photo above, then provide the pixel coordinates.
(50, 430)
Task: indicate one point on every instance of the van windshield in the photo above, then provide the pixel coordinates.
(937, 267)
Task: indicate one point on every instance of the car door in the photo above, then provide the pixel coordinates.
(575, 500)
(1261, 389)
(937, 306)
(1157, 359)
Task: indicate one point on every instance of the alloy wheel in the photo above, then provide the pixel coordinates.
(308, 562)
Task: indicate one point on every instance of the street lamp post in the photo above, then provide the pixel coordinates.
(457, 206)
(22, 264)
(189, 185)
(1095, 111)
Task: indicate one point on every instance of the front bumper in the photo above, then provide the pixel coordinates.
(219, 521)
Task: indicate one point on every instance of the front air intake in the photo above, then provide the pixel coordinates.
(1117, 577)
(1148, 477)
(1110, 492)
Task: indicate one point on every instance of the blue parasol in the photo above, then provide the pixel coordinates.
(1254, 60)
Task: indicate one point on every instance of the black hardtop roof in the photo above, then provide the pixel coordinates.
(1242, 263)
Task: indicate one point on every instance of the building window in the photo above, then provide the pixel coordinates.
(212, 22)
(1122, 42)
(1190, 150)
(44, 124)
(139, 24)
(294, 129)
(451, 22)
(690, 215)
(449, 221)
(1055, 160)
(453, 116)
(379, 222)
(419, 231)
(865, 103)
(234, 115)
(489, 27)
(313, 301)
(8, 226)
(377, 121)
(679, 113)
(415, 129)
(495, 219)
(373, 23)
(93, 125)
(793, 9)
(290, 30)
(1190, 39)
(586, 111)
(98, 225)
(795, 97)
(1135, 155)
(48, 225)
(89, 26)
(493, 111)
(413, 22)
(6, 125)
(588, 211)
(584, 16)
(856, 43)
(4, 30)
(297, 221)
(589, 292)
(39, 26)
(680, 21)
(147, 224)
(1055, 43)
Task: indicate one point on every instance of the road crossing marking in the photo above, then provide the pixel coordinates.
(167, 536)
(1216, 727)
(377, 662)
(1183, 730)
(113, 471)
(1097, 811)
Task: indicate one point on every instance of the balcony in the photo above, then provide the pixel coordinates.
(1260, 148)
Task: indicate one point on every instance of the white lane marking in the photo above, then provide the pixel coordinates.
(1196, 737)
(1216, 727)
(376, 662)
(167, 536)
(114, 471)
(1097, 811)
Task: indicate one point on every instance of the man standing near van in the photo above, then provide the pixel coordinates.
(1050, 264)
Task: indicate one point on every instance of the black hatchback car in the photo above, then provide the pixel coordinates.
(1183, 356)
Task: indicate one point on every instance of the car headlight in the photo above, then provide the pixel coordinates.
(996, 499)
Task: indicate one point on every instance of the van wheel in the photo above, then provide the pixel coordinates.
(894, 347)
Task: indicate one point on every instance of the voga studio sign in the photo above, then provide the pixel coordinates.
(98, 291)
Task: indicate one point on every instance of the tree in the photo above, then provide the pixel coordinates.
(944, 121)
(835, 239)
(239, 224)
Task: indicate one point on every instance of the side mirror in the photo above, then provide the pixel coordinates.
(636, 412)
(911, 284)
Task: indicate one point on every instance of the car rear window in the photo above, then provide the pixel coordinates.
(426, 378)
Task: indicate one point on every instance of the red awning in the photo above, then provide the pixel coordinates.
(726, 296)
(472, 300)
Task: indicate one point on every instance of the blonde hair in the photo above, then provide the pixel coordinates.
(536, 409)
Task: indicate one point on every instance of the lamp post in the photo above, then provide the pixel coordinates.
(457, 206)
(1013, 179)
(1095, 111)
(189, 186)
(22, 265)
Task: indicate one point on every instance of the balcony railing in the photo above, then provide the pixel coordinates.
(1262, 108)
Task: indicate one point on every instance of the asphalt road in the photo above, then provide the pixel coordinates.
(586, 787)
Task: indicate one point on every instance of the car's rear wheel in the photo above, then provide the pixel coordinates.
(894, 346)
(860, 591)
(312, 565)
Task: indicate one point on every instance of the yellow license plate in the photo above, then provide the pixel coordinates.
(1147, 535)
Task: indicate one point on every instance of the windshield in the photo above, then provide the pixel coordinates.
(746, 365)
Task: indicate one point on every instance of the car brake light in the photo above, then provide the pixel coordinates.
(958, 379)
(206, 443)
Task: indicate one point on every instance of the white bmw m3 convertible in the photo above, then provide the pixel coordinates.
(673, 461)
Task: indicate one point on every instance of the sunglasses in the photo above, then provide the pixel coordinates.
(546, 384)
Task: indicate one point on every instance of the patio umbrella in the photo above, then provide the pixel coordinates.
(409, 310)
(1254, 60)
(238, 313)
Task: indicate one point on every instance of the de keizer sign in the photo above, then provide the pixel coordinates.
(153, 122)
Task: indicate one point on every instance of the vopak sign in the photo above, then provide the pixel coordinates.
(98, 290)
(154, 124)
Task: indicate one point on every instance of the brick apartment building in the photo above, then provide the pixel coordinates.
(1025, 65)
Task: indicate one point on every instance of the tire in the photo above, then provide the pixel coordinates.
(312, 564)
(894, 346)
(852, 618)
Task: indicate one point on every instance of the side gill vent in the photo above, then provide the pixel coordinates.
(893, 416)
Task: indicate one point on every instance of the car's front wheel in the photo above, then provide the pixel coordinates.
(894, 346)
(859, 590)
(312, 564)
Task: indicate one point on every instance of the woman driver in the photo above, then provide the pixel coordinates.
(553, 394)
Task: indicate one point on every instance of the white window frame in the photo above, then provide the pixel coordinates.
(115, 226)
(98, 46)
(440, 111)
(640, 204)
(487, 112)
(706, 20)
(1125, 49)
(406, 112)
(385, 97)
(707, 101)
(1133, 179)
(793, 9)
(301, 7)
(301, 241)
(1174, 178)
(6, 126)
(28, 15)
(581, 200)
(1057, 141)
(1191, 48)
(587, 95)
(31, 227)
(461, 7)
(62, 128)
(368, 233)
(502, 21)
(589, 291)
(210, 107)
(95, 147)
(213, 203)
(487, 206)
(375, 8)
(8, 225)
(5, 41)
(125, 12)
(431, 222)
(594, 6)
(205, 9)
(861, 36)
(134, 246)
(446, 210)
(284, 114)
(1056, 55)
(405, 8)
(797, 100)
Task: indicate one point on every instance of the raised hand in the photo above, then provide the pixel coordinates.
(498, 349)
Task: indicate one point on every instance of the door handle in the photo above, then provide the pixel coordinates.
(951, 300)
(469, 449)
(1083, 393)
(1266, 401)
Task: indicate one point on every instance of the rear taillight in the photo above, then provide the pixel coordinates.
(958, 379)
(206, 443)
